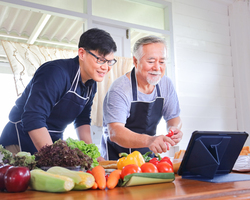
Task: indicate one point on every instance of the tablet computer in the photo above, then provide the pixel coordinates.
(211, 153)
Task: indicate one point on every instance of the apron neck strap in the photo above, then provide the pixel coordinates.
(75, 81)
(134, 86)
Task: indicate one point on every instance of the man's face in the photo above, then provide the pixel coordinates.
(151, 66)
(90, 69)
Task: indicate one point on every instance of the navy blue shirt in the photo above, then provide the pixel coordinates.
(49, 84)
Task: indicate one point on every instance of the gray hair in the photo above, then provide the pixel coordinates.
(137, 51)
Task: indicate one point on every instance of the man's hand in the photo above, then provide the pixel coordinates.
(177, 134)
(160, 144)
(175, 125)
(100, 159)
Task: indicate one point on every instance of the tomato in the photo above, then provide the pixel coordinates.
(149, 168)
(130, 169)
(166, 159)
(164, 167)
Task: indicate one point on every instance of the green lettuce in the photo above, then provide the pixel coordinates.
(22, 158)
(88, 149)
(7, 155)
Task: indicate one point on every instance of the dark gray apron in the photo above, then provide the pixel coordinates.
(144, 118)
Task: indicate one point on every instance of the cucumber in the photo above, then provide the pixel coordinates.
(47, 182)
(147, 178)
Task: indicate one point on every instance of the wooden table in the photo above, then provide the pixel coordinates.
(178, 189)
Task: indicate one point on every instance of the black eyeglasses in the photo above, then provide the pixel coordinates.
(102, 60)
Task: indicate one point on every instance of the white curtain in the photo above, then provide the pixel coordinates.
(239, 18)
(122, 66)
(24, 60)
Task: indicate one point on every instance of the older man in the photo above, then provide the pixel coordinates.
(136, 102)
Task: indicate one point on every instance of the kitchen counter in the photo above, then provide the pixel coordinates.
(178, 189)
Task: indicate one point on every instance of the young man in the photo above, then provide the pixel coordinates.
(136, 102)
(60, 92)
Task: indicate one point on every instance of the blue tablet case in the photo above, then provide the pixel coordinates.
(211, 155)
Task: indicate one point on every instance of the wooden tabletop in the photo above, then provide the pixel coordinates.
(178, 189)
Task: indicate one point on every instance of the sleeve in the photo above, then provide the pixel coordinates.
(84, 117)
(171, 108)
(116, 106)
(47, 87)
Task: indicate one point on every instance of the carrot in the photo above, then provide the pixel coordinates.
(99, 174)
(95, 186)
(113, 179)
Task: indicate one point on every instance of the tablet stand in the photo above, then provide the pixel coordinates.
(206, 158)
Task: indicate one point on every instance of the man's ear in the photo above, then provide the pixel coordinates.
(81, 53)
(135, 61)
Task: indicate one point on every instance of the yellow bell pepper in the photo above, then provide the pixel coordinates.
(133, 158)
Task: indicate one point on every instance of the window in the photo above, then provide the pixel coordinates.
(8, 97)
(140, 13)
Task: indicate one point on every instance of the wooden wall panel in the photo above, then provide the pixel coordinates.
(203, 64)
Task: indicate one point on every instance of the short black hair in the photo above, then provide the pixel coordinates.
(97, 40)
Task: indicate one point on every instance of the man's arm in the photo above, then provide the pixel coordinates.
(84, 133)
(40, 137)
(126, 138)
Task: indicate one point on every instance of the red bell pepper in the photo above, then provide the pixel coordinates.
(154, 161)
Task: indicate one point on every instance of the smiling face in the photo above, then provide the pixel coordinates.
(89, 67)
(151, 66)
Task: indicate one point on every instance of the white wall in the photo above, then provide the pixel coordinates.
(205, 82)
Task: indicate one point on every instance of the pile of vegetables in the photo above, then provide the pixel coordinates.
(60, 154)
(60, 179)
(130, 164)
(72, 153)
(88, 149)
